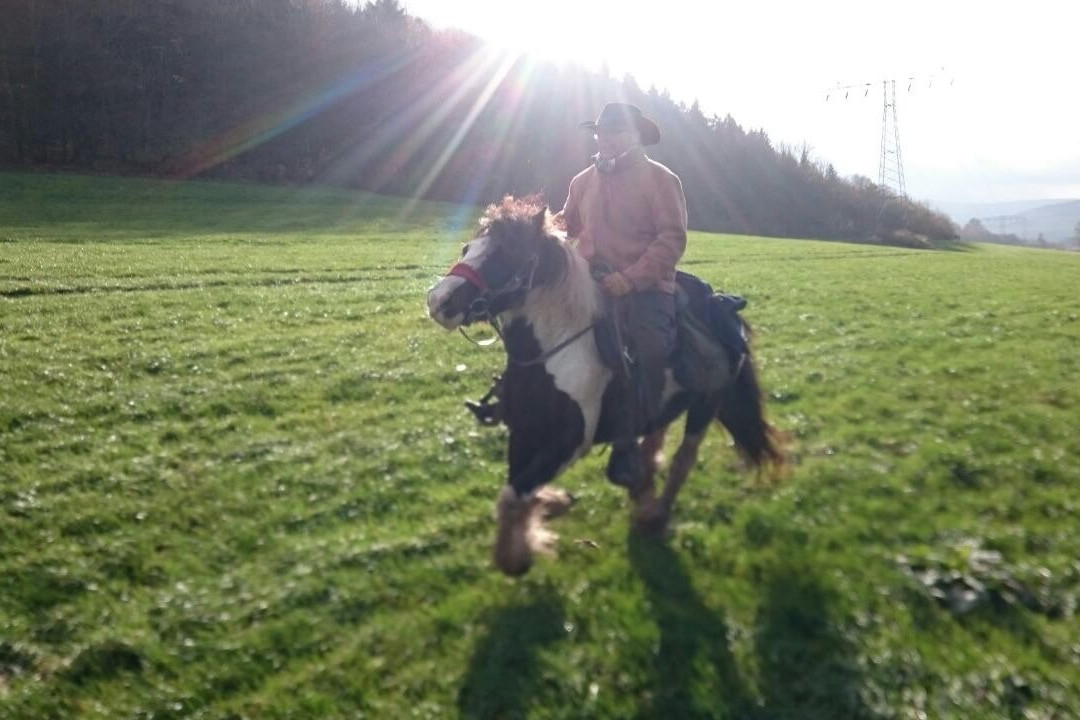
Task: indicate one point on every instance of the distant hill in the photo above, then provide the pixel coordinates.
(1056, 222)
(1054, 219)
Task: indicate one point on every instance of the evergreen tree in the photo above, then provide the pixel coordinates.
(366, 96)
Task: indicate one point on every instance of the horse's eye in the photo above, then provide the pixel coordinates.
(464, 249)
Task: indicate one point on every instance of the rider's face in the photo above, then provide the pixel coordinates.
(616, 142)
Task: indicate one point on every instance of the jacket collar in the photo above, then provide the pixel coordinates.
(619, 163)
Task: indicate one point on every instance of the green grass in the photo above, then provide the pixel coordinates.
(237, 481)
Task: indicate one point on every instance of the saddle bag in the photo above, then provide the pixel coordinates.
(712, 338)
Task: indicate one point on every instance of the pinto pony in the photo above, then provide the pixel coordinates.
(519, 273)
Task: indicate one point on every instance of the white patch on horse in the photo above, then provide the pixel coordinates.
(558, 312)
(479, 248)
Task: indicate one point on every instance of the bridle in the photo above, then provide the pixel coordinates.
(481, 308)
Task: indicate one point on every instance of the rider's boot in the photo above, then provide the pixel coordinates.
(625, 467)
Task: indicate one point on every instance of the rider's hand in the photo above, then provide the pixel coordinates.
(616, 284)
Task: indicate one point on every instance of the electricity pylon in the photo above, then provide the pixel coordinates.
(891, 163)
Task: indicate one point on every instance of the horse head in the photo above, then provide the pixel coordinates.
(514, 251)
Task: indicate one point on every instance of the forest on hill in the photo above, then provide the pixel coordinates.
(325, 91)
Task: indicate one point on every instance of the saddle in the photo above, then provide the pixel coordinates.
(712, 337)
(709, 352)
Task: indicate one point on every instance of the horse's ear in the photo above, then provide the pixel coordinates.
(540, 218)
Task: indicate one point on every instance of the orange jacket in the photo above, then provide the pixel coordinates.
(632, 219)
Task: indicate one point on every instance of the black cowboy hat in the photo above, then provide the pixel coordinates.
(617, 116)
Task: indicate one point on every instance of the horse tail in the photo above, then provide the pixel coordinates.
(742, 412)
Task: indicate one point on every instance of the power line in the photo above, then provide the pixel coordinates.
(914, 82)
(890, 160)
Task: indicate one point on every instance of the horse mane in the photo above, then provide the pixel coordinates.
(523, 212)
(567, 295)
(517, 209)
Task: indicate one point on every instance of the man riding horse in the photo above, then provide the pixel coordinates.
(550, 295)
(627, 215)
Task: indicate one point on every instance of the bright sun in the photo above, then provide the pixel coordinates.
(585, 33)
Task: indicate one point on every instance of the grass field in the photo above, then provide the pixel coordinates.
(237, 481)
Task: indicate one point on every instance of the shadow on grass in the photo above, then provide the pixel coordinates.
(690, 632)
(806, 669)
(504, 673)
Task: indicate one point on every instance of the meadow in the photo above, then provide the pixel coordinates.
(237, 481)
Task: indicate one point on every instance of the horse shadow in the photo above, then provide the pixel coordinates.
(690, 632)
(805, 668)
(504, 674)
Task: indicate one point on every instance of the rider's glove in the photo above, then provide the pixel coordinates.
(616, 284)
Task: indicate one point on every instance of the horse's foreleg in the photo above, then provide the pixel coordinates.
(513, 549)
(523, 506)
(521, 530)
(553, 502)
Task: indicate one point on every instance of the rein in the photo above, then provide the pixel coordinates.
(544, 357)
(539, 359)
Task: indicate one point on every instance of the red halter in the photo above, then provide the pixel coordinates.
(469, 273)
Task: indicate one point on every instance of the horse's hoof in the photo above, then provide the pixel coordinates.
(654, 528)
(651, 520)
(513, 566)
(554, 502)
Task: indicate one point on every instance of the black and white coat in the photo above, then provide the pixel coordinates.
(556, 387)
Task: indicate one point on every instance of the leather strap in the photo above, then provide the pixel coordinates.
(468, 272)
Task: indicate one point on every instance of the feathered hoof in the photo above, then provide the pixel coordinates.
(521, 533)
(513, 561)
(512, 554)
(553, 502)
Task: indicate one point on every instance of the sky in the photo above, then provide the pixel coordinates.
(987, 94)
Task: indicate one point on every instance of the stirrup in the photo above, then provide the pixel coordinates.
(486, 411)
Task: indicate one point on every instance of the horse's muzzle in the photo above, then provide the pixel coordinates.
(450, 300)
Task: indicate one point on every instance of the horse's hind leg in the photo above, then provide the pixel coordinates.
(681, 465)
(652, 517)
(651, 449)
(698, 419)
(647, 509)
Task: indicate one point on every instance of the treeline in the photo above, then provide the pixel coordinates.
(327, 91)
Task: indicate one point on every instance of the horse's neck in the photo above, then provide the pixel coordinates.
(565, 307)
